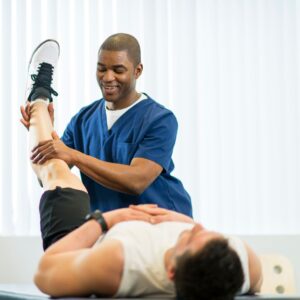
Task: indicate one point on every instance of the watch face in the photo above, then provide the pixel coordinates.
(97, 215)
(94, 215)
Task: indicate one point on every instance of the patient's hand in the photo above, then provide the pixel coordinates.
(126, 214)
(159, 215)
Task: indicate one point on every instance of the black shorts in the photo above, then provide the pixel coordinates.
(61, 211)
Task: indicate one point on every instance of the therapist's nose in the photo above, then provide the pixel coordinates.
(108, 76)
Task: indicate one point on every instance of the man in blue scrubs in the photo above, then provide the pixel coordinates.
(122, 143)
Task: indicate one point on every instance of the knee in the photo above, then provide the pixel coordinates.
(53, 170)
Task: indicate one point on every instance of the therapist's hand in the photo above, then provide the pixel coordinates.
(159, 215)
(52, 149)
(25, 112)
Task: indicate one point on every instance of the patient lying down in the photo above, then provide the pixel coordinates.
(162, 253)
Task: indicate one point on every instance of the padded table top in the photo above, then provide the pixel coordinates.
(30, 292)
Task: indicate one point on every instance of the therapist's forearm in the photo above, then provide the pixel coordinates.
(123, 178)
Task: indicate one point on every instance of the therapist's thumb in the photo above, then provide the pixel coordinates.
(55, 135)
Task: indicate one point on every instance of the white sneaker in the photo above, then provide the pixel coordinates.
(40, 71)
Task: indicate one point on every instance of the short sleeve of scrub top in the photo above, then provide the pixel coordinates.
(68, 136)
(159, 141)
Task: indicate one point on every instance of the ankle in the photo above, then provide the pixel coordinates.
(42, 100)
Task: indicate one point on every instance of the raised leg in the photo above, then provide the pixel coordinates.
(54, 172)
(65, 202)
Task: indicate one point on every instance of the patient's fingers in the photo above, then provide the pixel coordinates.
(159, 219)
(140, 216)
(129, 214)
(150, 210)
(149, 205)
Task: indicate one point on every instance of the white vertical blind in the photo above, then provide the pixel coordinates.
(229, 70)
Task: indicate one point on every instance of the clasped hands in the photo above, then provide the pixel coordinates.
(144, 212)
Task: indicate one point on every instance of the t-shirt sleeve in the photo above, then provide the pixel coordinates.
(159, 141)
(68, 135)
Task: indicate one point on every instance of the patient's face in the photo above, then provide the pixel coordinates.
(193, 240)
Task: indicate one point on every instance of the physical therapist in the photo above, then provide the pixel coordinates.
(122, 143)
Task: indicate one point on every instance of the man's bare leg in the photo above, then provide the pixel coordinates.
(65, 202)
(54, 172)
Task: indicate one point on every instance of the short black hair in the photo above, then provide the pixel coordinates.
(124, 42)
(213, 273)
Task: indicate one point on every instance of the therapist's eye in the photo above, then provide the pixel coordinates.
(119, 70)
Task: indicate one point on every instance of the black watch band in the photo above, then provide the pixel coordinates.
(97, 215)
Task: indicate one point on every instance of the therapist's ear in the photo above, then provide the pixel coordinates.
(138, 71)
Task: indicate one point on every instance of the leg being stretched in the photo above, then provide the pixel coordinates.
(54, 172)
(65, 202)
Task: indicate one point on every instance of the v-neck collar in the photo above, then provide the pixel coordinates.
(103, 119)
(106, 132)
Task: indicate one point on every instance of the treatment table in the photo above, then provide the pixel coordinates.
(30, 292)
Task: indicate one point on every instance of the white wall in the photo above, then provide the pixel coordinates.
(229, 69)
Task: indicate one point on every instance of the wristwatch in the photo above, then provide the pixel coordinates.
(97, 215)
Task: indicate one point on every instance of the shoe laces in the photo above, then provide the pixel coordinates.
(43, 78)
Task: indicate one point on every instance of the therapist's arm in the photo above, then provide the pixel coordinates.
(130, 179)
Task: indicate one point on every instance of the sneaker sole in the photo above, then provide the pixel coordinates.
(37, 47)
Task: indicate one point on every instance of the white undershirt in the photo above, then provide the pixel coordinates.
(113, 115)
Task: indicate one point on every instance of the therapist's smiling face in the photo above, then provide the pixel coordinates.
(116, 76)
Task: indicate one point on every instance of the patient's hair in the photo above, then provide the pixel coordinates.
(124, 41)
(213, 273)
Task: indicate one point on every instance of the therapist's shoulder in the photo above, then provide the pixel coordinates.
(158, 111)
(91, 107)
(87, 111)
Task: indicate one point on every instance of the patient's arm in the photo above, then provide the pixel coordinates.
(255, 270)
(72, 267)
(87, 234)
(82, 272)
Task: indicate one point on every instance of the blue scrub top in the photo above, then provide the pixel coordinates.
(147, 130)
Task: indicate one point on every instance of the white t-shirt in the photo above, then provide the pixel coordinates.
(145, 245)
(113, 115)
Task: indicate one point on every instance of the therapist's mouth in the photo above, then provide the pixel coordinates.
(110, 89)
